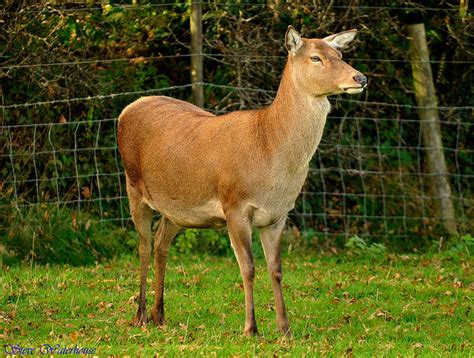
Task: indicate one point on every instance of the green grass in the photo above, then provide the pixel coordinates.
(399, 305)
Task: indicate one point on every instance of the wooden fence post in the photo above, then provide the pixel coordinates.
(429, 125)
(196, 52)
(463, 8)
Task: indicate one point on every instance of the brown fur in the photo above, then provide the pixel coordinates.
(241, 169)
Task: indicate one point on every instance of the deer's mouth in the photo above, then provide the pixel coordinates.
(354, 90)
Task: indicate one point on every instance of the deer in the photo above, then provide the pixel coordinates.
(240, 170)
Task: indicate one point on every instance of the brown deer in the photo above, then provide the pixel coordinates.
(242, 170)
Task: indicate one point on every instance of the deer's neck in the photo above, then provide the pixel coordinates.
(293, 124)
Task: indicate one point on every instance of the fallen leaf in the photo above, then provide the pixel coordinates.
(32, 324)
(457, 283)
(195, 280)
(121, 322)
(381, 314)
(137, 60)
(133, 298)
(62, 119)
(74, 220)
(104, 305)
(74, 336)
(371, 278)
(86, 193)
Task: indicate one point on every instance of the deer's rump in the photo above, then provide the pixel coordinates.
(165, 158)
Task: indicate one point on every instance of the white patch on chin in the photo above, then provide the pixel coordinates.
(353, 90)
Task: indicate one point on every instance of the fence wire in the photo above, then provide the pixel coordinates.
(56, 170)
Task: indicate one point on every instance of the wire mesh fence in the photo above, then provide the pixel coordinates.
(348, 197)
(367, 177)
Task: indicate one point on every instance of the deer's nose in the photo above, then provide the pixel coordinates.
(360, 79)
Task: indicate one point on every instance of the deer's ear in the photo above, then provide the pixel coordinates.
(293, 40)
(340, 40)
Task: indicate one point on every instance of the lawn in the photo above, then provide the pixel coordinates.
(340, 305)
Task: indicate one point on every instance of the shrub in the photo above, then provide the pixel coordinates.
(359, 247)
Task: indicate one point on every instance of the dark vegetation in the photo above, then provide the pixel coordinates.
(62, 178)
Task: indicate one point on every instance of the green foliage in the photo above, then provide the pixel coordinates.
(359, 247)
(187, 241)
(61, 236)
(457, 247)
(192, 241)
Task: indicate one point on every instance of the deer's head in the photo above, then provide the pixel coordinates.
(317, 66)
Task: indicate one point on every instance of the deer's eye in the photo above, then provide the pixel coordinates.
(315, 59)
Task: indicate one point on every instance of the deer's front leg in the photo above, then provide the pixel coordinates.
(240, 232)
(271, 240)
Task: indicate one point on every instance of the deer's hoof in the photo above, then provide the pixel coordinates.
(284, 329)
(250, 331)
(140, 320)
(157, 318)
(286, 332)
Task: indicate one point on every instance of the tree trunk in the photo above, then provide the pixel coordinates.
(429, 125)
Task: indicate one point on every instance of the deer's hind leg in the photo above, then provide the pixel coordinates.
(163, 238)
(142, 216)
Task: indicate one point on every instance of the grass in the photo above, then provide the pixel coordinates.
(398, 305)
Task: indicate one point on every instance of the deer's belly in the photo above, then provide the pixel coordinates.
(211, 214)
(206, 215)
(267, 207)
